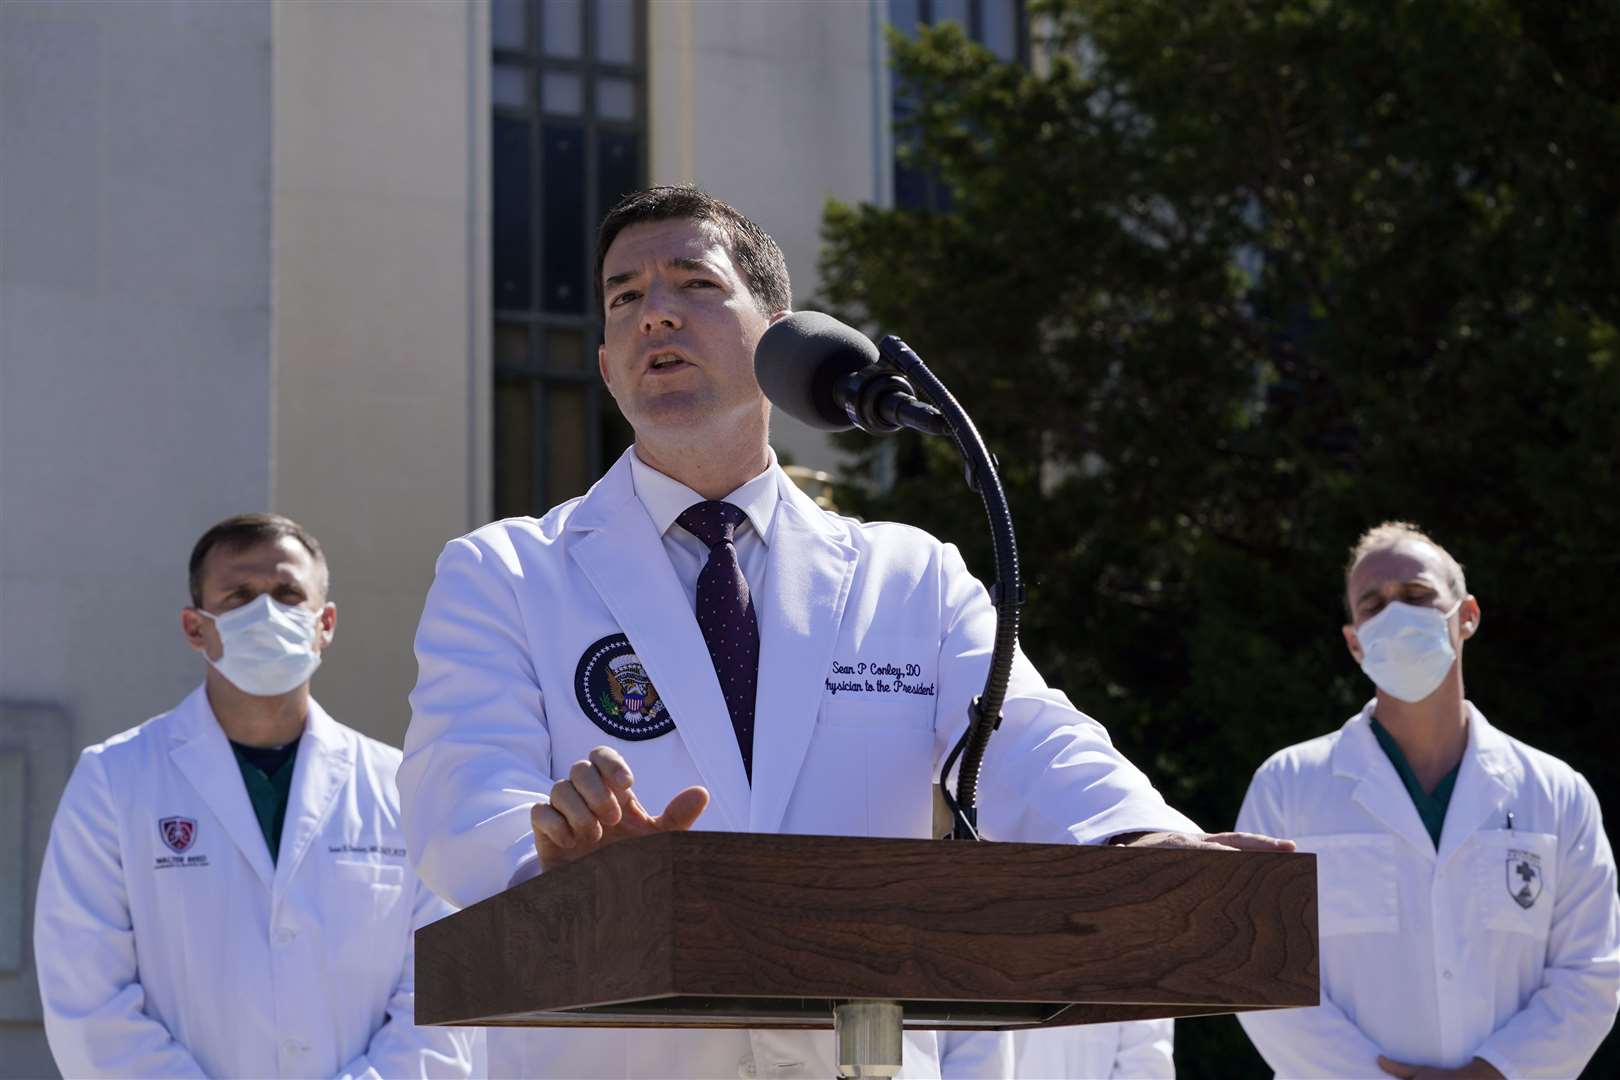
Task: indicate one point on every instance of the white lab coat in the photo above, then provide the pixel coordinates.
(1136, 1050)
(193, 955)
(1427, 957)
(496, 720)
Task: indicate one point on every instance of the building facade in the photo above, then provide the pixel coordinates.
(333, 259)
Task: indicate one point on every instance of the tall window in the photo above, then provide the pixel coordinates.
(998, 25)
(569, 138)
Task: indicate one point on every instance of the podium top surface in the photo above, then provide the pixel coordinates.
(712, 929)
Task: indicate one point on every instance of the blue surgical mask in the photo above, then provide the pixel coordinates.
(269, 648)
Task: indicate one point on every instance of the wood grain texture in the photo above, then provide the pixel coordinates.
(731, 929)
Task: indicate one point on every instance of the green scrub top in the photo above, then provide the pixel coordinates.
(1431, 807)
(267, 772)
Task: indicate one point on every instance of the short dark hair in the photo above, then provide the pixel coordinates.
(247, 530)
(758, 258)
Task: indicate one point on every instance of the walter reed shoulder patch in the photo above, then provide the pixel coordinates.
(615, 692)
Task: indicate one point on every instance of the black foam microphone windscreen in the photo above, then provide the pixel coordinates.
(801, 358)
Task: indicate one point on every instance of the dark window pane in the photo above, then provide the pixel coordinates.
(1000, 29)
(955, 11)
(615, 99)
(615, 31)
(562, 218)
(568, 448)
(910, 187)
(511, 239)
(560, 32)
(511, 345)
(509, 86)
(904, 14)
(565, 351)
(514, 447)
(618, 167)
(508, 25)
(560, 92)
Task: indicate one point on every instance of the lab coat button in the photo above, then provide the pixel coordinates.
(745, 1068)
(291, 1046)
(284, 936)
(1446, 975)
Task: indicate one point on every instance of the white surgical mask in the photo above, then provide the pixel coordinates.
(1406, 650)
(269, 648)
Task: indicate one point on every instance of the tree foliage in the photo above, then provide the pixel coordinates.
(1225, 282)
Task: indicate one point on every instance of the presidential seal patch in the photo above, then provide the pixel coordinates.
(1524, 877)
(615, 691)
(178, 833)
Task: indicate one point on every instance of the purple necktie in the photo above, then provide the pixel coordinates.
(725, 614)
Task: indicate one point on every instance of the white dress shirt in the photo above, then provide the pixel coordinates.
(667, 499)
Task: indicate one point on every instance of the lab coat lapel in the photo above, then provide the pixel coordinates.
(807, 581)
(1484, 786)
(623, 557)
(324, 763)
(203, 755)
(1380, 791)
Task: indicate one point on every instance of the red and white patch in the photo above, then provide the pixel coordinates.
(178, 833)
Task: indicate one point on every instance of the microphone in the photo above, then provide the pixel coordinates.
(816, 369)
(830, 376)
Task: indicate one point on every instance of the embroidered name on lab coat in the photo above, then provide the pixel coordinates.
(352, 848)
(880, 677)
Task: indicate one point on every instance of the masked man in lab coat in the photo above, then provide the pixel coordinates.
(1466, 900)
(225, 892)
(697, 627)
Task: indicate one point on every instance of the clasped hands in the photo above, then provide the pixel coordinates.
(595, 807)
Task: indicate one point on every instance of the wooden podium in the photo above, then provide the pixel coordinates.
(705, 929)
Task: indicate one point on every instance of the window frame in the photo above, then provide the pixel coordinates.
(537, 369)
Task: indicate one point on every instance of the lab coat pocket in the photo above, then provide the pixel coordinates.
(876, 703)
(1516, 874)
(383, 886)
(866, 773)
(1356, 887)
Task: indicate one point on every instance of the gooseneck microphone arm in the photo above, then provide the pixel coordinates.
(1007, 593)
(830, 376)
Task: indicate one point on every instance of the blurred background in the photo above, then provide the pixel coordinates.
(1223, 281)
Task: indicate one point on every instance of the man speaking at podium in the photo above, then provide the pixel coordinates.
(696, 644)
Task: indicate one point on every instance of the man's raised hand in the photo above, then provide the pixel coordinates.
(595, 807)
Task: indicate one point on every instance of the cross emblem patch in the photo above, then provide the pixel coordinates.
(1524, 877)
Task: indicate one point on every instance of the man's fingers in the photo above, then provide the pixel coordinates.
(1225, 841)
(683, 810)
(595, 791)
(1168, 840)
(613, 768)
(1244, 841)
(550, 827)
(583, 824)
(1397, 1068)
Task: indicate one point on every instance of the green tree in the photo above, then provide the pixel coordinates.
(1224, 282)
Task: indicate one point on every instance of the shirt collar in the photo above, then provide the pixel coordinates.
(666, 498)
